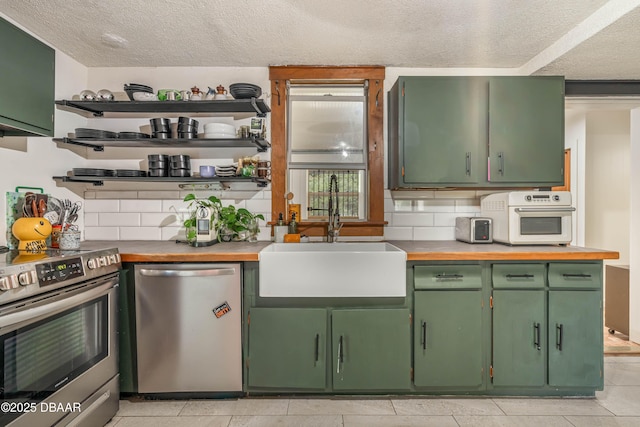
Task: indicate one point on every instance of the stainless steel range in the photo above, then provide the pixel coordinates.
(58, 342)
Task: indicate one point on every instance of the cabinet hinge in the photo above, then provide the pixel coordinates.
(491, 301)
(402, 170)
(248, 318)
(411, 373)
(491, 371)
(410, 319)
(402, 89)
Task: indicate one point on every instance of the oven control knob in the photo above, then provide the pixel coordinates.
(9, 282)
(556, 198)
(102, 261)
(27, 278)
(92, 263)
(528, 198)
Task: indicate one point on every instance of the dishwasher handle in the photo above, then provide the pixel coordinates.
(187, 273)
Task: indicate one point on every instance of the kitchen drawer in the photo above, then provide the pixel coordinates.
(447, 276)
(575, 275)
(518, 275)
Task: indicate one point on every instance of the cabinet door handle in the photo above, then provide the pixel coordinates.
(536, 335)
(559, 336)
(468, 163)
(339, 354)
(424, 336)
(317, 351)
(501, 163)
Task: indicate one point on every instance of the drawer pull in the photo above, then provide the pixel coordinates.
(424, 336)
(519, 276)
(444, 276)
(317, 352)
(576, 276)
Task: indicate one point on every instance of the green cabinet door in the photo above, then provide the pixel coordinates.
(287, 348)
(519, 337)
(448, 339)
(575, 339)
(371, 349)
(526, 130)
(27, 83)
(444, 130)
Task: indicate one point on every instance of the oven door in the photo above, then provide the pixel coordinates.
(57, 349)
(544, 225)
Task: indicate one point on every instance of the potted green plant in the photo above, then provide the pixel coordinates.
(212, 203)
(238, 224)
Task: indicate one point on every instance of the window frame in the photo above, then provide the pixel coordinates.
(279, 75)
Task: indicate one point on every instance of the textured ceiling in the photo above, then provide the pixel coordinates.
(399, 33)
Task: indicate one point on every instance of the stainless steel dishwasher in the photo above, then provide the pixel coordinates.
(188, 325)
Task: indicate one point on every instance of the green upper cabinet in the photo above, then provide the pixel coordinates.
(526, 130)
(27, 83)
(443, 129)
(371, 349)
(450, 131)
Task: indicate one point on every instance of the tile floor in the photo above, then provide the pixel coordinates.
(617, 405)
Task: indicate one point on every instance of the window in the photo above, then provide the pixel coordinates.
(326, 130)
(328, 121)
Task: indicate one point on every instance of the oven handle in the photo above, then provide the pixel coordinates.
(53, 307)
(187, 273)
(572, 209)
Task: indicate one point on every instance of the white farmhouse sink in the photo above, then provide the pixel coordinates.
(374, 269)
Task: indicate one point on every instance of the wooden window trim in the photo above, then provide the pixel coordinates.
(278, 75)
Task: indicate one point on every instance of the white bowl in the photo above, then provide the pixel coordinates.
(220, 135)
(144, 96)
(219, 128)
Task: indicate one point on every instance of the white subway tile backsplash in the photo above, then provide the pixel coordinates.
(434, 205)
(412, 219)
(389, 206)
(115, 195)
(174, 206)
(398, 233)
(140, 233)
(403, 205)
(93, 205)
(91, 219)
(140, 205)
(258, 205)
(434, 233)
(455, 194)
(119, 219)
(468, 205)
(148, 219)
(159, 195)
(445, 219)
(101, 233)
(172, 233)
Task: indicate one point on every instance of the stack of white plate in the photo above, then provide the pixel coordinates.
(226, 170)
(219, 130)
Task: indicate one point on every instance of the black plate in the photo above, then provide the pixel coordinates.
(130, 172)
(94, 133)
(93, 172)
(133, 135)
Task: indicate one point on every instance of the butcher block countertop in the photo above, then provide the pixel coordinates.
(429, 250)
(451, 250)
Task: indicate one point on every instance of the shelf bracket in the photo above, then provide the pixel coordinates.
(259, 112)
(95, 147)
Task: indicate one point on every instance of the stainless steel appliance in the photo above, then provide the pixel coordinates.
(58, 342)
(188, 327)
(530, 217)
(473, 229)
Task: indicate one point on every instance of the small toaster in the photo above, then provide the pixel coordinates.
(474, 229)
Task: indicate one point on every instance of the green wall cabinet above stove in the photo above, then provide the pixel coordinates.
(451, 131)
(27, 84)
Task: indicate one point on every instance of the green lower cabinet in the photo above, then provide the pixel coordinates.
(287, 348)
(448, 340)
(371, 349)
(519, 338)
(575, 339)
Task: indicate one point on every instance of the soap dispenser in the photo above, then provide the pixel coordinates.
(280, 230)
(293, 225)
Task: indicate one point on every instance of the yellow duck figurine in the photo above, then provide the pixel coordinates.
(32, 234)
